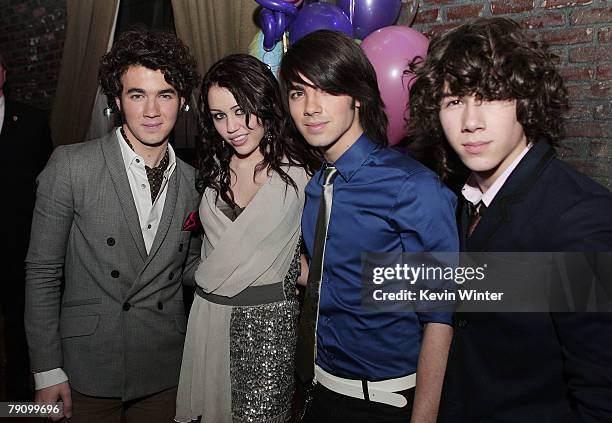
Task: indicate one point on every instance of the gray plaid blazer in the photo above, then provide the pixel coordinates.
(96, 304)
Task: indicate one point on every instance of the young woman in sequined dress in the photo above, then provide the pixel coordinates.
(238, 362)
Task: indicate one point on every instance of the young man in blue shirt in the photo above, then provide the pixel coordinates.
(383, 202)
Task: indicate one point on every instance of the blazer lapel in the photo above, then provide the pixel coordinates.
(116, 166)
(513, 191)
(463, 226)
(10, 119)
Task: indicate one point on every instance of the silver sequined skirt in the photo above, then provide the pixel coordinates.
(262, 352)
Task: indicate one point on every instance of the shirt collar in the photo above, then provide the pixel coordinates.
(471, 191)
(352, 159)
(130, 156)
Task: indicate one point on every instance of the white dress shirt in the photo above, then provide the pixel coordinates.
(149, 215)
(471, 191)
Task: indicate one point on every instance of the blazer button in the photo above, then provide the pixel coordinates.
(180, 247)
(110, 242)
(171, 275)
(115, 274)
(160, 306)
(126, 306)
(462, 323)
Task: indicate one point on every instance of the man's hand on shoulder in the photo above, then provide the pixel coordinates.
(55, 393)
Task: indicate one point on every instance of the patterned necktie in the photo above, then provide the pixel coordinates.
(476, 212)
(155, 175)
(306, 343)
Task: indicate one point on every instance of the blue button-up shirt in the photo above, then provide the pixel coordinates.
(383, 201)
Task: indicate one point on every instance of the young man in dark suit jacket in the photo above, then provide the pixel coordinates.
(26, 145)
(494, 97)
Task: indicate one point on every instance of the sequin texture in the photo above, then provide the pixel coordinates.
(262, 353)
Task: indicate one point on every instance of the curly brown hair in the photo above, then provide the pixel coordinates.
(156, 50)
(494, 59)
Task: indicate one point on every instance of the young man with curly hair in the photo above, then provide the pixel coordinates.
(489, 97)
(109, 226)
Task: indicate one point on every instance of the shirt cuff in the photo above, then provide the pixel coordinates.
(49, 378)
(440, 317)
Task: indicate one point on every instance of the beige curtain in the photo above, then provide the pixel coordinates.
(90, 24)
(215, 28)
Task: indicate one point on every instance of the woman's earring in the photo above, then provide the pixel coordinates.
(268, 137)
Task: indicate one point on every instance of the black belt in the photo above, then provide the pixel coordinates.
(253, 295)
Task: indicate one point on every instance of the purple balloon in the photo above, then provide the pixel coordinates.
(369, 15)
(281, 25)
(278, 6)
(317, 16)
(390, 50)
(266, 20)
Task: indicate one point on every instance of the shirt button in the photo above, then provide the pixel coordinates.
(143, 186)
(160, 306)
(115, 274)
(110, 241)
(180, 247)
(126, 306)
(171, 275)
(149, 226)
(137, 160)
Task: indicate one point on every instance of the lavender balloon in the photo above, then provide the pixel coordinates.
(369, 15)
(317, 16)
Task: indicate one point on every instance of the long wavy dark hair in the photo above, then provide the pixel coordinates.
(494, 59)
(257, 93)
(334, 63)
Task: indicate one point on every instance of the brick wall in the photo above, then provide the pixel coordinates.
(580, 33)
(31, 39)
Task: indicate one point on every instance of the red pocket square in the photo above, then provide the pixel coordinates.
(192, 223)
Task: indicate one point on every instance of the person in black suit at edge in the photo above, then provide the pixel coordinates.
(26, 145)
(492, 95)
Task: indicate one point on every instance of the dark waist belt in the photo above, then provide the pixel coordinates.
(253, 295)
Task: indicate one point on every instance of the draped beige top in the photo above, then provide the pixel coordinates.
(255, 249)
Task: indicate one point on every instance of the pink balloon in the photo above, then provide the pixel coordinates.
(390, 49)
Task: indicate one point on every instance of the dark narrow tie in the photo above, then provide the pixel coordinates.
(476, 212)
(306, 343)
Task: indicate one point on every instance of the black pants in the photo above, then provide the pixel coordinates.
(328, 406)
(18, 378)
